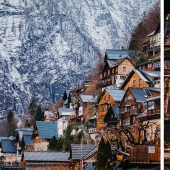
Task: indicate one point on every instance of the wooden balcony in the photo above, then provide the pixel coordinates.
(153, 111)
(134, 111)
(126, 115)
(107, 83)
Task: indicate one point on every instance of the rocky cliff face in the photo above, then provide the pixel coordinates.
(47, 46)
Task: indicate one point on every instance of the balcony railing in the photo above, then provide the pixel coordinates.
(102, 84)
(134, 111)
(153, 111)
(92, 130)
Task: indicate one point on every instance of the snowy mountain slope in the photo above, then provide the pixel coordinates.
(47, 46)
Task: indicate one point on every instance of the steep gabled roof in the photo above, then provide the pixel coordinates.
(116, 94)
(140, 94)
(8, 146)
(46, 129)
(142, 76)
(46, 156)
(79, 151)
(113, 110)
(155, 74)
(114, 63)
(115, 54)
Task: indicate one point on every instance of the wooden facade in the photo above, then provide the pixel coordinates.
(103, 106)
(148, 154)
(115, 72)
(130, 107)
(135, 81)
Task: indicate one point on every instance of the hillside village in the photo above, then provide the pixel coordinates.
(125, 112)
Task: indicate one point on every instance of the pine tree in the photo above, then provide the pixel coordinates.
(32, 107)
(108, 153)
(11, 123)
(52, 143)
(104, 156)
(101, 156)
(39, 114)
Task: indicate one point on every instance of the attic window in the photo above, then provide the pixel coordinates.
(134, 82)
(140, 81)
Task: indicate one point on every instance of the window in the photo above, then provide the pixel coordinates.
(134, 82)
(113, 70)
(150, 105)
(104, 73)
(150, 65)
(122, 77)
(108, 72)
(140, 81)
(124, 69)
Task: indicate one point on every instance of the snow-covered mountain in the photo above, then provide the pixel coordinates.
(47, 46)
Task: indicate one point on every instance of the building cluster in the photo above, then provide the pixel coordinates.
(130, 94)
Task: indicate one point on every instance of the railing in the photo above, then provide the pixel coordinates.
(153, 111)
(133, 111)
(102, 84)
(92, 130)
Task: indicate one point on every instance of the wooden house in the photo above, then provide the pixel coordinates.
(145, 155)
(112, 117)
(133, 103)
(155, 40)
(82, 155)
(45, 160)
(167, 36)
(67, 115)
(23, 137)
(152, 65)
(115, 72)
(85, 101)
(142, 79)
(9, 154)
(117, 65)
(106, 99)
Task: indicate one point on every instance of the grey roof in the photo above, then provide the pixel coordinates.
(46, 129)
(152, 73)
(115, 110)
(79, 151)
(46, 156)
(114, 63)
(88, 98)
(27, 139)
(115, 54)
(116, 94)
(66, 111)
(8, 146)
(140, 94)
(2, 137)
